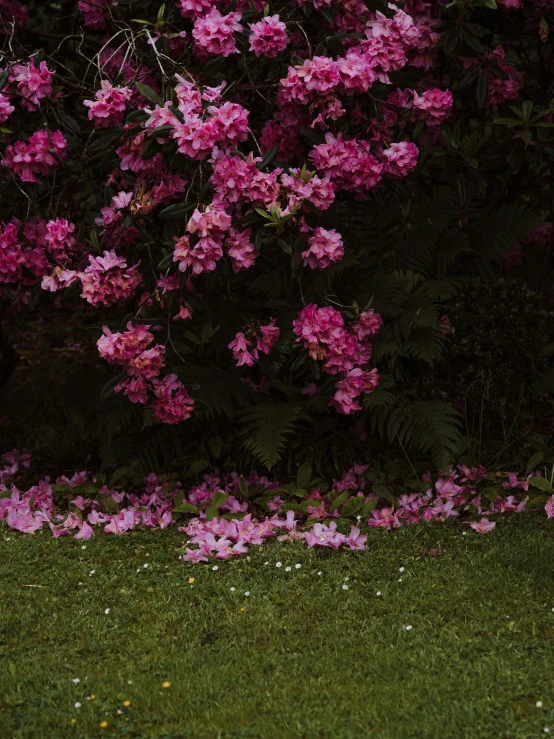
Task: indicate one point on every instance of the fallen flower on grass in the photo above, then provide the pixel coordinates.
(484, 526)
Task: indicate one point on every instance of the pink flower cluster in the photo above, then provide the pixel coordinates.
(130, 349)
(108, 279)
(109, 107)
(268, 37)
(214, 32)
(33, 83)
(344, 351)
(94, 12)
(38, 156)
(324, 248)
(209, 228)
(261, 338)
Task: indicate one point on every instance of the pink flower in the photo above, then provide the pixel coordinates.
(214, 33)
(325, 247)
(484, 526)
(268, 37)
(549, 507)
(32, 83)
(39, 155)
(355, 540)
(400, 158)
(109, 107)
(85, 532)
(173, 404)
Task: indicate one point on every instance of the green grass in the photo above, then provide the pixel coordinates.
(305, 658)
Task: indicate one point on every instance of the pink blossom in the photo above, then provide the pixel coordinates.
(109, 107)
(38, 156)
(484, 526)
(32, 83)
(214, 32)
(325, 247)
(268, 37)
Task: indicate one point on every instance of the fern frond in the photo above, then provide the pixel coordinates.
(267, 427)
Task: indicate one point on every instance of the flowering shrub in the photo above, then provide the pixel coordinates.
(267, 208)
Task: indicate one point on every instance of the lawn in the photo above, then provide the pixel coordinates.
(251, 649)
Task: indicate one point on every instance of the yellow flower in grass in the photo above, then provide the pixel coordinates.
(73, 720)
(167, 684)
(191, 580)
(104, 724)
(126, 704)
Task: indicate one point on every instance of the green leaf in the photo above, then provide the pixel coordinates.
(71, 123)
(339, 500)
(534, 461)
(368, 507)
(268, 158)
(162, 130)
(541, 483)
(4, 79)
(481, 89)
(185, 508)
(176, 210)
(150, 94)
(489, 493)
(384, 492)
(216, 446)
(243, 486)
(218, 499)
(539, 501)
(352, 506)
(304, 475)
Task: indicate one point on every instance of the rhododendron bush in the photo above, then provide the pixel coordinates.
(268, 208)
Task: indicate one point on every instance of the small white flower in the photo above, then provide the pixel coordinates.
(80, 583)
(91, 573)
(464, 533)
(77, 705)
(401, 569)
(345, 587)
(409, 628)
(266, 563)
(247, 593)
(288, 569)
(399, 579)
(546, 730)
(146, 555)
(145, 565)
(538, 704)
(138, 569)
(84, 546)
(215, 567)
(76, 680)
(378, 593)
(119, 711)
(298, 566)
(320, 573)
(129, 682)
(232, 590)
(553, 610)
(346, 579)
(278, 564)
(107, 611)
(8, 538)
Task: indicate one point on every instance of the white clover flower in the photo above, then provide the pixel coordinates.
(538, 704)
(278, 564)
(91, 573)
(409, 628)
(232, 590)
(401, 569)
(266, 563)
(288, 569)
(399, 579)
(378, 593)
(297, 566)
(107, 611)
(345, 587)
(346, 579)
(145, 565)
(320, 573)
(77, 704)
(215, 567)
(247, 593)
(76, 680)
(84, 546)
